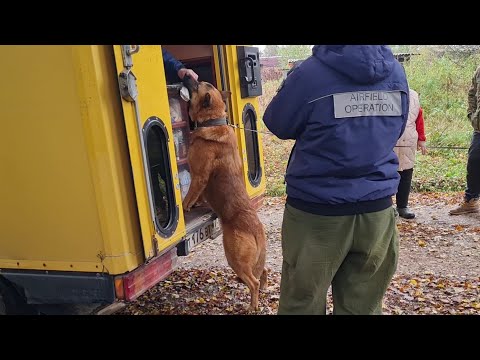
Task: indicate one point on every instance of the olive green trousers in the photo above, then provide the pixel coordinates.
(356, 254)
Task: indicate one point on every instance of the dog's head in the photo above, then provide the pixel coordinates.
(206, 101)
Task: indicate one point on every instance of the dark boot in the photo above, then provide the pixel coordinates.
(405, 213)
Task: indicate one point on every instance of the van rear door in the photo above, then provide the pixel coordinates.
(142, 86)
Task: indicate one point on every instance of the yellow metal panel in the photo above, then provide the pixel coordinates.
(153, 101)
(48, 209)
(108, 156)
(65, 186)
(237, 107)
(217, 66)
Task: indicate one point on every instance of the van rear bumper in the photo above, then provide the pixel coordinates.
(58, 287)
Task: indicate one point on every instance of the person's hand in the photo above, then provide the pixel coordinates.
(421, 145)
(184, 71)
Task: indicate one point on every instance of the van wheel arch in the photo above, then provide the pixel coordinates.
(11, 302)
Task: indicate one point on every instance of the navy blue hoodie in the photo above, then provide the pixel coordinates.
(346, 106)
(172, 66)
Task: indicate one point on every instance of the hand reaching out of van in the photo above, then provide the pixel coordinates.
(184, 71)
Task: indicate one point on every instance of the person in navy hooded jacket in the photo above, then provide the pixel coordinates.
(345, 106)
(175, 70)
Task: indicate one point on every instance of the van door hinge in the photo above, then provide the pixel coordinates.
(127, 52)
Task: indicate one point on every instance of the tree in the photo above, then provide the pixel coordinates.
(293, 52)
(270, 50)
(460, 51)
(400, 48)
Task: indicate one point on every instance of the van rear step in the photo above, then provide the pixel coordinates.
(201, 224)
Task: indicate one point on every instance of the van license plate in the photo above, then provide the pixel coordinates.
(202, 234)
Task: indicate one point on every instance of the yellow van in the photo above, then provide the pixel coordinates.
(93, 168)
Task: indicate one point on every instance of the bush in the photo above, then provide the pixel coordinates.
(271, 74)
(443, 83)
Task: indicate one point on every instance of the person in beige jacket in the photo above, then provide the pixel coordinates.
(412, 139)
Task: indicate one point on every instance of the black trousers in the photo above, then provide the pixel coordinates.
(404, 188)
(473, 169)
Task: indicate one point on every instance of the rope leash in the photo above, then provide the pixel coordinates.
(257, 131)
(399, 146)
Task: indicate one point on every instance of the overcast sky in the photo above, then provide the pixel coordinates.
(261, 47)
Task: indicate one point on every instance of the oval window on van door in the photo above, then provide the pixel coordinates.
(249, 118)
(161, 182)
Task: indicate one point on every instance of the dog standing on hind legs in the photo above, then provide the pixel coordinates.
(216, 173)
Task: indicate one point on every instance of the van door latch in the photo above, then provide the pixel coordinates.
(127, 83)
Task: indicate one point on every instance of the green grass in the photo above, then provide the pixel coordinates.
(276, 153)
(443, 84)
(440, 170)
(269, 89)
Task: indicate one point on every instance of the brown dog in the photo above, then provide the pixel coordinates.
(216, 171)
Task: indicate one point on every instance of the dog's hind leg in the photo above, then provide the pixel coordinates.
(260, 272)
(263, 279)
(254, 286)
(239, 279)
(241, 252)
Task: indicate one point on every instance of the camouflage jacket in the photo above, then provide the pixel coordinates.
(474, 101)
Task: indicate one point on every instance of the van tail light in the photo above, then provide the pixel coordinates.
(130, 286)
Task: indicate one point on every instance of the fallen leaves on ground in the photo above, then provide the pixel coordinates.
(435, 198)
(212, 291)
(425, 235)
(428, 294)
(216, 292)
(437, 274)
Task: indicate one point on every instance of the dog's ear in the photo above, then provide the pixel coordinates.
(225, 95)
(207, 100)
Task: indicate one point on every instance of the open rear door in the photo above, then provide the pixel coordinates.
(145, 105)
(243, 74)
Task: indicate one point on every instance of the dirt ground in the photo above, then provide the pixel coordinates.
(432, 242)
(438, 270)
